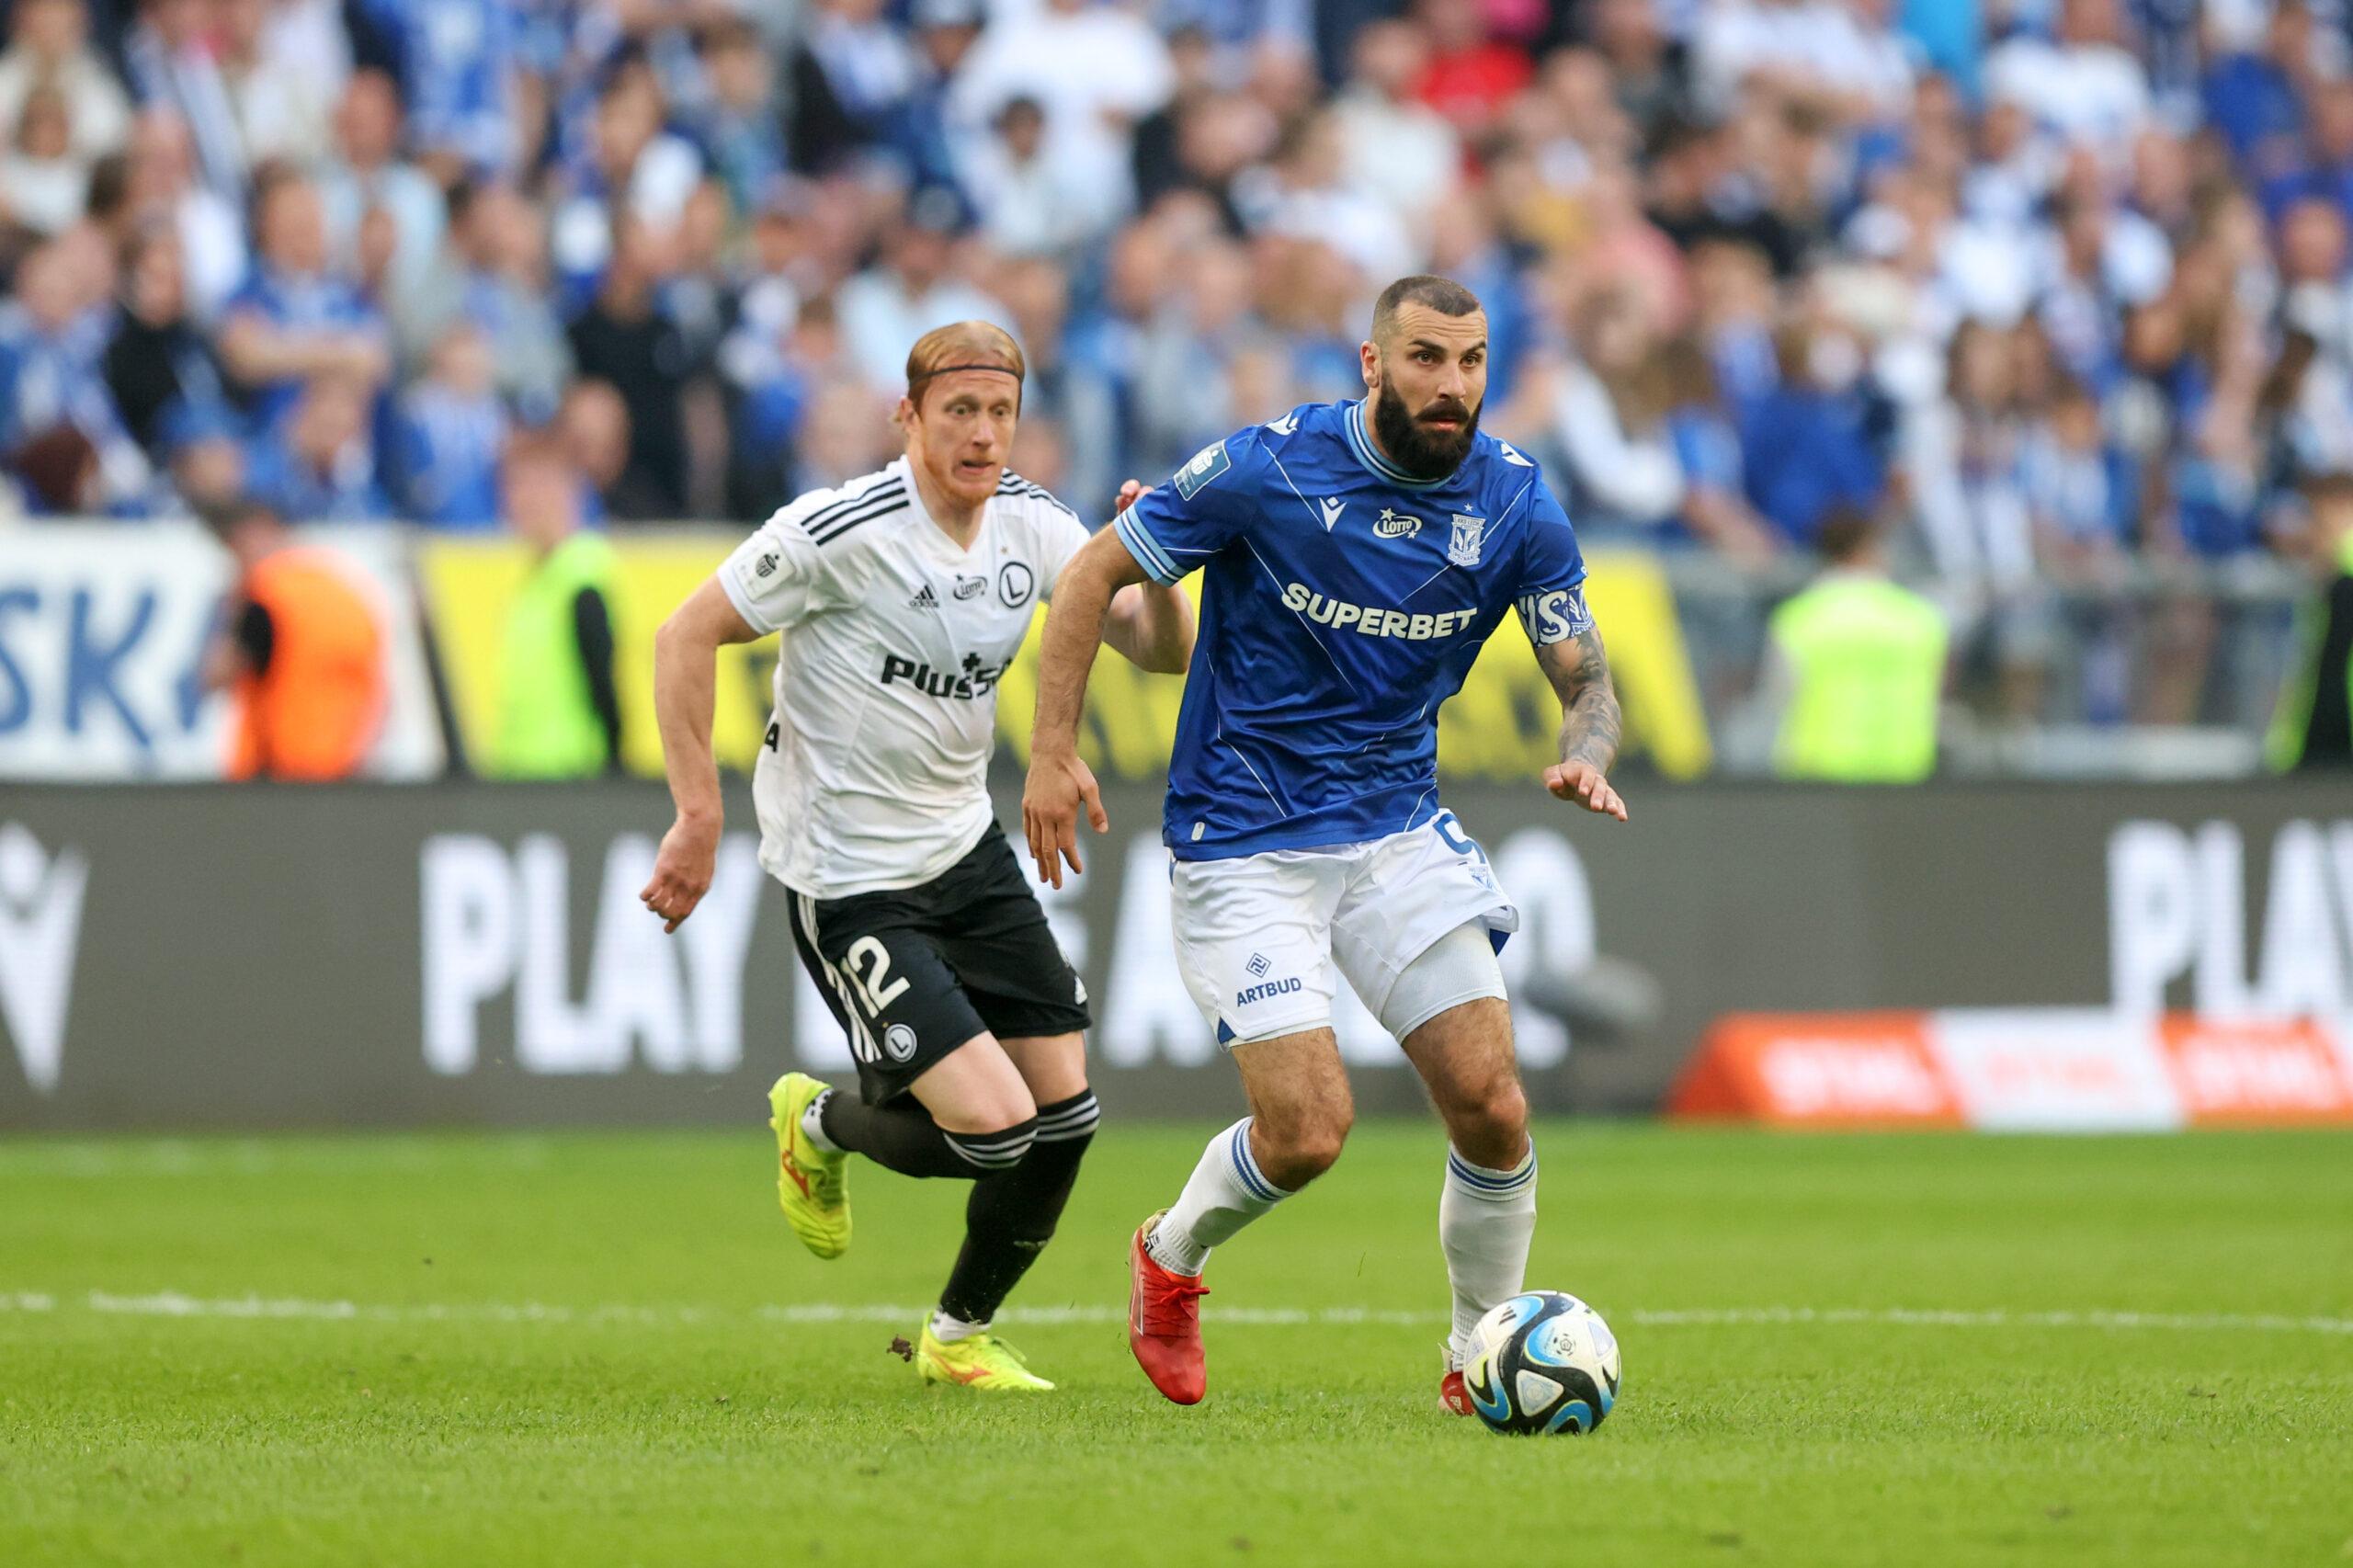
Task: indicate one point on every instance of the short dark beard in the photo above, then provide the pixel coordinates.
(1419, 450)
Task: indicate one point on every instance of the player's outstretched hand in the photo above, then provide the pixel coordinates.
(682, 871)
(1582, 783)
(1049, 805)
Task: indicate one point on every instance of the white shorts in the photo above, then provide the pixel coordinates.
(1257, 935)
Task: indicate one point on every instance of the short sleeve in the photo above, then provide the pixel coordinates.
(1174, 528)
(775, 577)
(1551, 574)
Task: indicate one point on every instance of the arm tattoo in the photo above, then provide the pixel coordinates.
(1590, 721)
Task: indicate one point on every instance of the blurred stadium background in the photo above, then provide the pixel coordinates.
(1954, 396)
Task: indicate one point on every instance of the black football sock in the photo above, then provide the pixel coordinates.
(1012, 1213)
(900, 1135)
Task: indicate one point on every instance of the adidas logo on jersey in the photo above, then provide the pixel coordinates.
(925, 598)
(975, 679)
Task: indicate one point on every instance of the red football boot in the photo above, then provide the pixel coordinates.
(1164, 1323)
(1452, 1397)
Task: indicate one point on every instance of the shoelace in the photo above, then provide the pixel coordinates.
(1168, 1308)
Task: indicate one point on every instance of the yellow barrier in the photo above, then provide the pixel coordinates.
(1504, 725)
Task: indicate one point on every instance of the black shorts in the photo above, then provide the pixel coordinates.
(914, 972)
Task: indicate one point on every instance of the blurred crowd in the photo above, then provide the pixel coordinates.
(2055, 289)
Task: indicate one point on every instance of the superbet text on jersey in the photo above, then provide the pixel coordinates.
(1344, 600)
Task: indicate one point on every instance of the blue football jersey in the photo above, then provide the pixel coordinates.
(1342, 602)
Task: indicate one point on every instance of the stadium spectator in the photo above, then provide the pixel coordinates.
(1811, 444)
(852, 79)
(456, 61)
(1397, 148)
(52, 343)
(158, 358)
(448, 435)
(319, 465)
(1094, 68)
(366, 175)
(204, 446)
(294, 318)
(159, 179)
(2082, 86)
(915, 289)
(1855, 667)
(624, 341)
(491, 274)
(300, 651)
(172, 67)
(281, 114)
(559, 709)
(49, 46)
(1470, 75)
(1609, 421)
(44, 184)
(1031, 204)
(741, 123)
(594, 423)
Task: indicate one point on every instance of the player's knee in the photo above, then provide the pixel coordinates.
(1489, 1126)
(1302, 1147)
(997, 1149)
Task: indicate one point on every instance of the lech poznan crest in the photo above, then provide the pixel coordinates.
(1462, 548)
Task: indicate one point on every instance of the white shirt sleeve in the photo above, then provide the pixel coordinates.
(775, 577)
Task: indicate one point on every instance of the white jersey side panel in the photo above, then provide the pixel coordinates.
(893, 641)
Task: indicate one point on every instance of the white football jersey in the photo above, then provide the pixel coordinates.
(874, 774)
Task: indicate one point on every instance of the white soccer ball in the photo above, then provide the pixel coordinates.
(1540, 1363)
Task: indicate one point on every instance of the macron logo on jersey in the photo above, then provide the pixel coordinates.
(1375, 621)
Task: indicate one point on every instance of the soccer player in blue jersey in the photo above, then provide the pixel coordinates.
(1356, 556)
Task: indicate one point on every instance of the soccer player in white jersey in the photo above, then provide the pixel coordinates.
(901, 597)
(1356, 556)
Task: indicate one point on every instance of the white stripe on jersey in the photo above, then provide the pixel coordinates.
(885, 695)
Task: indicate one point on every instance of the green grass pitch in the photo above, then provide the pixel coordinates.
(608, 1348)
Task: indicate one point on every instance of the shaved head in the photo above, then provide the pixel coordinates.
(1443, 295)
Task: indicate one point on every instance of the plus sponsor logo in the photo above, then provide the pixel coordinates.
(1376, 621)
(968, 682)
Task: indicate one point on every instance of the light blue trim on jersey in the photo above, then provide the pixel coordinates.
(1360, 442)
(1156, 561)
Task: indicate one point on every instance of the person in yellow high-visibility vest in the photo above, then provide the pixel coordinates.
(2312, 726)
(1858, 662)
(559, 713)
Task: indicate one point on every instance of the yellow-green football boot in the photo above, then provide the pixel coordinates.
(812, 1184)
(984, 1361)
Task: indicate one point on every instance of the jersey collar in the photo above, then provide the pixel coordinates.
(1360, 443)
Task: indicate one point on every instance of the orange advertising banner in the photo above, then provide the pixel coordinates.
(2023, 1068)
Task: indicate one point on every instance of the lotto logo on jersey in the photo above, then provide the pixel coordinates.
(1375, 621)
(973, 681)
